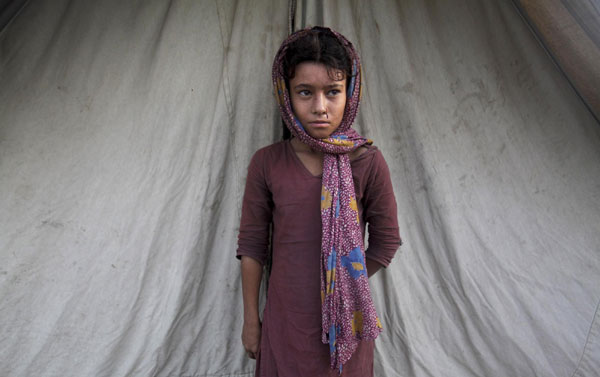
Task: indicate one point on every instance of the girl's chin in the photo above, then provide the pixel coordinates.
(320, 135)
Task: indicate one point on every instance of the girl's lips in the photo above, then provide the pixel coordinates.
(319, 124)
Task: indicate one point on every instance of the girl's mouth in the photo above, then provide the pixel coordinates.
(319, 124)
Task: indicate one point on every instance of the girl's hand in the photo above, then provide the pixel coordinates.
(251, 338)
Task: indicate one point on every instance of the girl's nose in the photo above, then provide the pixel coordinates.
(319, 106)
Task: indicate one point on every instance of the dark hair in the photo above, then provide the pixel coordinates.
(319, 45)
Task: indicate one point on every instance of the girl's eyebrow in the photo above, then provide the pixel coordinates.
(330, 86)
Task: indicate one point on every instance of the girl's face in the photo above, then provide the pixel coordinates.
(318, 101)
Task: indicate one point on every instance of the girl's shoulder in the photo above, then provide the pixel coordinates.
(271, 158)
(271, 151)
(365, 154)
(370, 164)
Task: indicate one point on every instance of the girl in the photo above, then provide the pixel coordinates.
(315, 193)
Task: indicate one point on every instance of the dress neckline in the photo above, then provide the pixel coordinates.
(290, 147)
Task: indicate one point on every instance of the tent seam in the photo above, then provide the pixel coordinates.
(587, 340)
(226, 88)
(538, 36)
(14, 16)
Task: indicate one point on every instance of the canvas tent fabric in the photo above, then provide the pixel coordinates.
(125, 133)
(571, 31)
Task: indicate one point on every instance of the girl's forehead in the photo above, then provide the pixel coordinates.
(314, 73)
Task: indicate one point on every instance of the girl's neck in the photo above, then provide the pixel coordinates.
(300, 147)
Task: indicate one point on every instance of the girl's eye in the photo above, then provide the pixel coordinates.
(304, 93)
(334, 92)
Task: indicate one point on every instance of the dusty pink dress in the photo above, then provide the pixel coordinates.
(280, 190)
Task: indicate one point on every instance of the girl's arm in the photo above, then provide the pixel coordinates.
(251, 278)
(253, 242)
(381, 216)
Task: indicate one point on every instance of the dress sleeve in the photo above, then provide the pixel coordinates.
(380, 213)
(257, 207)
